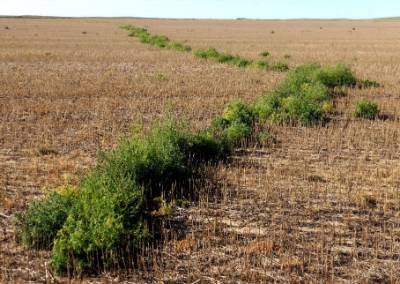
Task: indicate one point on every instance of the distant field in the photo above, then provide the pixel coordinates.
(322, 204)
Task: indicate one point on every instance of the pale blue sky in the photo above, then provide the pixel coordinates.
(266, 9)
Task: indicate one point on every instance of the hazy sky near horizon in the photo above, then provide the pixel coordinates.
(262, 9)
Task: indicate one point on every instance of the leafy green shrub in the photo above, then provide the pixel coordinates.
(242, 62)
(226, 58)
(335, 76)
(207, 53)
(366, 109)
(235, 124)
(108, 216)
(280, 66)
(37, 227)
(304, 96)
(180, 47)
(265, 54)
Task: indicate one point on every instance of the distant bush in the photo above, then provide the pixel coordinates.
(368, 84)
(366, 109)
(265, 54)
(261, 64)
(207, 53)
(156, 40)
(334, 76)
(212, 53)
(180, 47)
(279, 66)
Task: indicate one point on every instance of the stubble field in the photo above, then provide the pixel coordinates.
(320, 205)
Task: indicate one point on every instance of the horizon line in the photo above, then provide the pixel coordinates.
(218, 19)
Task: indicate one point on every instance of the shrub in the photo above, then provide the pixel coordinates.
(226, 58)
(108, 217)
(37, 227)
(302, 109)
(366, 109)
(261, 64)
(207, 53)
(180, 47)
(280, 66)
(304, 96)
(265, 54)
(241, 62)
(235, 124)
(335, 76)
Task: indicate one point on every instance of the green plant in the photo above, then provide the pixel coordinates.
(261, 64)
(37, 227)
(280, 66)
(108, 216)
(366, 109)
(207, 53)
(180, 47)
(304, 96)
(265, 54)
(235, 124)
(334, 76)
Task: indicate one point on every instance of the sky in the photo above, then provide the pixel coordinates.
(220, 9)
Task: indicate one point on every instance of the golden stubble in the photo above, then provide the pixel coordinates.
(321, 204)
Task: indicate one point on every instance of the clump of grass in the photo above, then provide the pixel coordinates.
(265, 54)
(366, 109)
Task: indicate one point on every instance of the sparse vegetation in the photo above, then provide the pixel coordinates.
(265, 54)
(286, 204)
(366, 109)
(368, 84)
(209, 53)
(304, 96)
(108, 214)
(156, 40)
(280, 66)
(212, 53)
